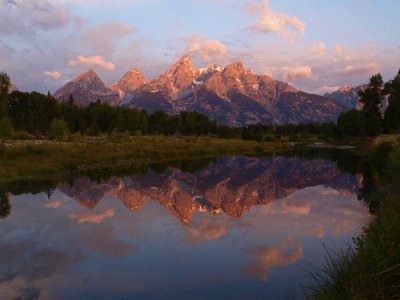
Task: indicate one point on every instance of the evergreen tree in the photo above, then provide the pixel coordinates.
(4, 87)
(5, 83)
(371, 98)
(392, 114)
(351, 123)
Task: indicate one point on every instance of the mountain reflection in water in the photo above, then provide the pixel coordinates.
(238, 228)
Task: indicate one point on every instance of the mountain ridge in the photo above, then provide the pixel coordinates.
(231, 95)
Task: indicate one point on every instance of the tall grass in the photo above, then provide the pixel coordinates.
(368, 270)
(32, 158)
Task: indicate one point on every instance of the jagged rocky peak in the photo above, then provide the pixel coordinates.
(130, 82)
(212, 69)
(236, 67)
(86, 88)
(347, 96)
(346, 88)
(89, 79)
(183, 73)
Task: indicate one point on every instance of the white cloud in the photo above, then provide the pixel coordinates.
(319, 48)
(205, 49)
(53, 74)
(91, 61)
(287, 26)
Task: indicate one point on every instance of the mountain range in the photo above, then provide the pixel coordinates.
(221, 187)
(230, 95)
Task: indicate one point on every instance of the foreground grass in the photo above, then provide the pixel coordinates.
(46, 158)
(370, 269)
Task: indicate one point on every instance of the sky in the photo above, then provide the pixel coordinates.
(315, 45)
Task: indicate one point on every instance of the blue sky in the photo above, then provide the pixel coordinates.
(316, 45)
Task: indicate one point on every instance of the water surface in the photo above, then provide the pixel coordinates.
(233, 228)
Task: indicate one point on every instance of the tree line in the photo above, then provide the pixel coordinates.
(25, 114)
(370, 121)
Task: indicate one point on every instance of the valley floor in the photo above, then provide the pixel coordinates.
(41, 158)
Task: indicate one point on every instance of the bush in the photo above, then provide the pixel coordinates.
(22, 135)
(3, 150)
(76, 137)
(6, 129)
(58, 131)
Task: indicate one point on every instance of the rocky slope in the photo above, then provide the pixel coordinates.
(87, 88)
(231, 95)
(129, 83)
(347, 96)
(231, 185)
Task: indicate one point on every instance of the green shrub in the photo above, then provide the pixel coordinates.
(58, 131)
(22, 135)
(6, 129)
(3, 150)
(75, 137)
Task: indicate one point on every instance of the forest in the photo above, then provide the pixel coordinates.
(26, 115)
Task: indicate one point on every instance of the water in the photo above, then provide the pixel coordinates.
(230, 228)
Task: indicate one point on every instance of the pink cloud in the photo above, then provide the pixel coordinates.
(53, 204)
(267, 257)
(319, 48)
(92, 61)
(341, 53)
(367, 69)
(205, 49)
(298, 72)
(93, 218)
(206, 230)
(53, 74)
(269, 21)
(102, 38)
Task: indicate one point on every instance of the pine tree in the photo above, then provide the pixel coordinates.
(371, 98)
(392, 114)
(4, 87)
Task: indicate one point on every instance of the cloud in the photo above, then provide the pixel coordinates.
(53, 74)
(365, 69)
(327, 89)
(113, 247)
(341, 53)
(30, 15)
(91, 61)
(289, 206)
(102, 38)
(319, 48)
(93, 218)
(205, 49)
(295, 73)
(53, 204)
(207, 230)
(318, 232)
(287, 26)
(284, 254)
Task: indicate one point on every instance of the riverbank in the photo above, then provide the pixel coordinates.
(42, 158)
(370, 267)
